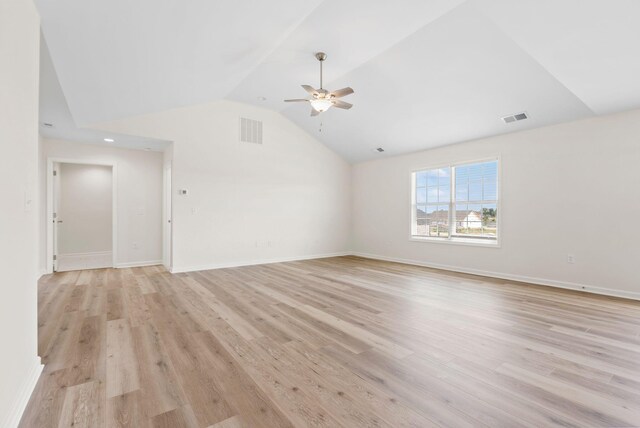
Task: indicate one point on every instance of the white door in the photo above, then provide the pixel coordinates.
(167, 218)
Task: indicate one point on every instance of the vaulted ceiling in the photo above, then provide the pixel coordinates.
(425, 72)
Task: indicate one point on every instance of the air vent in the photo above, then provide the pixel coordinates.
(515, 117)
(250, 131)
(379, 150)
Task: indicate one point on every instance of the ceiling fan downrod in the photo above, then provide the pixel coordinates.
(321, 56)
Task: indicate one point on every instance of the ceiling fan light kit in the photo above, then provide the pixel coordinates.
(321, 104)
(322, 100)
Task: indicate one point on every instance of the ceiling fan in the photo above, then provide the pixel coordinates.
(321, 99)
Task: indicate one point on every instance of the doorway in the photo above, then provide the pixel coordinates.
(82, 220)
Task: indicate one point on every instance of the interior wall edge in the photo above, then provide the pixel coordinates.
(24, 394)
(19, 86)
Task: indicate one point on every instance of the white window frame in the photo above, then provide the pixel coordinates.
(452, 238)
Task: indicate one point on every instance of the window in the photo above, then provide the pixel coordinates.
(456, 203)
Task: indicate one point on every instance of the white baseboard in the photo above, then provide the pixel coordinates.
(511, 277)
(501, 275)
(139, 264)
(80, 261)
(178, 269)
(23, 395)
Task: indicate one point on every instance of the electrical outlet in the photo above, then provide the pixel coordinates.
(571, 258)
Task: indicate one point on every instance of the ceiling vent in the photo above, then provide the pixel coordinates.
(515, 117)
(379, 150)
(250, 131)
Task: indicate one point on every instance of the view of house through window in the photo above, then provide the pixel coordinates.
(458, 201)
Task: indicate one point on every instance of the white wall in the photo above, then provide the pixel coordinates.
(139, 197)
(19, 364)
(565, 189)
(84, 208)
(248, 203)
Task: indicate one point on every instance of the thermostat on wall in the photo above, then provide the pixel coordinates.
(182, 192)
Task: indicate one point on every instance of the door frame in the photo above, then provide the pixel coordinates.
(167, 217)
(50, 207)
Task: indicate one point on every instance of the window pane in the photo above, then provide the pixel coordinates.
(461, 219)
(474, 219)
(438, 220)
(421, 195)
(445, 193)
(421, 220)
(489, 219)
(462, 191)
(421, 179)
(475, 190)
(432, 194)
(476, 183)
(490, 169)
(442, 218)
(432, 177)
(475, 171)
(444, 175)
(490, 189)
(462, 174)
(462, 183)
(432, 220)
(490, 180)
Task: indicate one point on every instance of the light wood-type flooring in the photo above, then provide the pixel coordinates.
(338, 342)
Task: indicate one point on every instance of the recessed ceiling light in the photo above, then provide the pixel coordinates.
(262, 99)
(109, 140)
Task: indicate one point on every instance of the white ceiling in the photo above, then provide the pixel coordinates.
(426, 72)
(54, 111)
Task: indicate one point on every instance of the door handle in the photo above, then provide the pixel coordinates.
(59, 221)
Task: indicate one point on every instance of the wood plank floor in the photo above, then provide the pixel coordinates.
(329, 343)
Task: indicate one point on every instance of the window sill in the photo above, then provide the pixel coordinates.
(458, 241)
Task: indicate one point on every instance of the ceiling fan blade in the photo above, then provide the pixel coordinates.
(342, 104)
(314, 112)
(342, 92)
(297, 100)
(309, 89)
